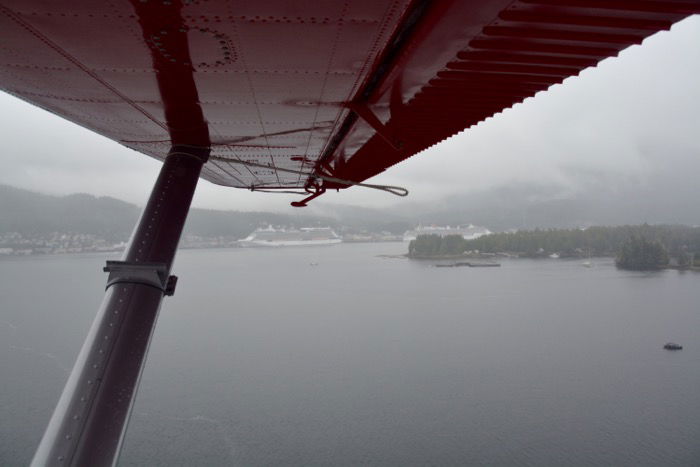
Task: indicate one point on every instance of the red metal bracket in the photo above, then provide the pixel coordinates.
(366, 114)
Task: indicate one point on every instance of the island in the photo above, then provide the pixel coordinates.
(636, 247)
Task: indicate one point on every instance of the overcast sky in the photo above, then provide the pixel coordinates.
(621, 123)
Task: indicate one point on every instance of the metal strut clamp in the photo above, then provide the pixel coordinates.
(151, 274)
(314, 189)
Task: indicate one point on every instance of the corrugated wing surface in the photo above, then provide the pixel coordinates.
(524, 48)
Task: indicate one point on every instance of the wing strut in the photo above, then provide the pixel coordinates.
(89, 422)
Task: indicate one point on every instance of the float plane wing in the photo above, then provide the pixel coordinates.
(272, 95)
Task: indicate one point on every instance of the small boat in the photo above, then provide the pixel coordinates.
(673, 346)
(587, 264)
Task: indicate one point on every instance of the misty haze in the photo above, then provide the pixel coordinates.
(533, 301)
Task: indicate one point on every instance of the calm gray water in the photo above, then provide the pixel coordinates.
(262, 359)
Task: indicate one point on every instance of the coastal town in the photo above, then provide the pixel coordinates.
(18, 244)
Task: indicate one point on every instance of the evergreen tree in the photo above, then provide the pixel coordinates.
(435, 245)
(640, 254)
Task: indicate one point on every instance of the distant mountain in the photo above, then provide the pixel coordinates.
(518, 206)
(358, 218)
(33, 213)
(527, 206)
(213, 223)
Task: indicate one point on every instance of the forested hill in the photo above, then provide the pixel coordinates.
(36, 214)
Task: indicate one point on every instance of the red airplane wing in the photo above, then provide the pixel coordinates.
(281, 89)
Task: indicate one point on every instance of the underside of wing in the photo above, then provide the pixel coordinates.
(299, 94)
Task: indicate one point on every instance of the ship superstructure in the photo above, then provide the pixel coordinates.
(277, 237)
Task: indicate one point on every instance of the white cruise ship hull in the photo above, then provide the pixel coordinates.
(281, 243)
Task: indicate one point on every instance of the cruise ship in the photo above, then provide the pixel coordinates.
(469, 232)
(305, 236)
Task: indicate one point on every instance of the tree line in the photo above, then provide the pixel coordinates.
(676, 241)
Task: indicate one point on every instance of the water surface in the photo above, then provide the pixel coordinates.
(261, 358)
